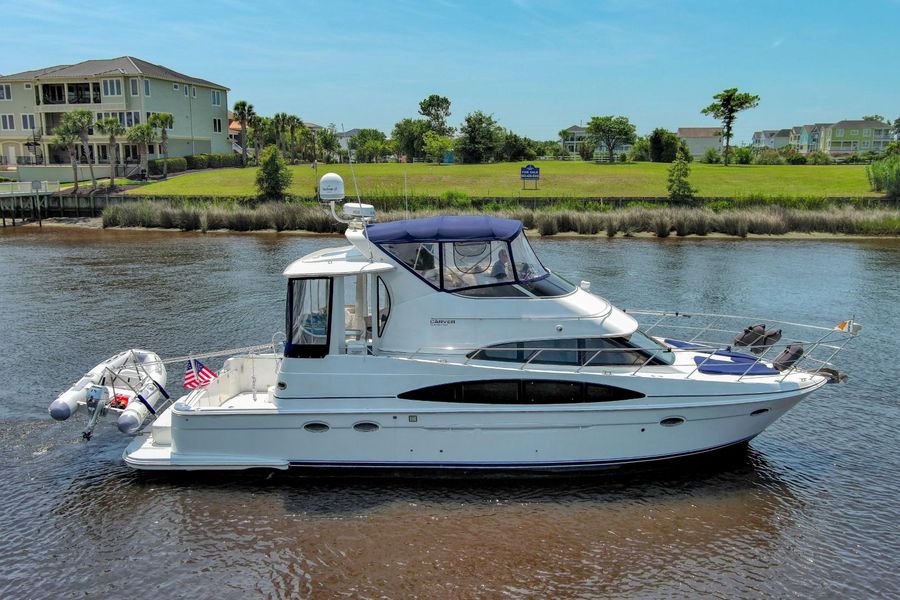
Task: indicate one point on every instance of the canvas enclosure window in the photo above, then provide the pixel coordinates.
(469, 264)
(421, 258)
(308, 323)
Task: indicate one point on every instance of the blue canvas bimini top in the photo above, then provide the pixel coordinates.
(445, 229)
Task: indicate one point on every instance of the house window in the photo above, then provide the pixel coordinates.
(185, 91)
(867, 132)
(7, 122)
(147, 87)
(132, 153)
(27, 122)
(217, 125)
(865, 144)
(840, 133)
(854, 132)
(5, 92)
(112, 87)
(27, 86)
(216, 98)
(151, 149)
(134, 86)
(175, 87)
(129, 119)
(194, 91)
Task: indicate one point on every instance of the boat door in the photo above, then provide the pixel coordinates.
(309, 308)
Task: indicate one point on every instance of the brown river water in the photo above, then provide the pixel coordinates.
(810, 509)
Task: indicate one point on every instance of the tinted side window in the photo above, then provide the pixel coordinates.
(551, 392)
(549, 286)
(553, 352)
(610, 351)
(491, 392)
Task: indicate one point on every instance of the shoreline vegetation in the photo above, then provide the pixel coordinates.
(638, 218)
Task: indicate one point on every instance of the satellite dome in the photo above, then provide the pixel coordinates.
(331, 187)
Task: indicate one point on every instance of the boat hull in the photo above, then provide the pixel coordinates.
(484, 438)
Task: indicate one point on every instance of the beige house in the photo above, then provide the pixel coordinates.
(699, 139)
(32, 104)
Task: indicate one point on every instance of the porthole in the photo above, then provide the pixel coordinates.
(759, 411)
(671, 421)
(316, 427)
(366, 426)
(281, 385)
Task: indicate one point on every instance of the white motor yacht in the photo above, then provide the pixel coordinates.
(445, 343)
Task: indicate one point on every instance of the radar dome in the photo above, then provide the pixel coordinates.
(331, 187)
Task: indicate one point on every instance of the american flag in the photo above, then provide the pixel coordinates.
(197, 375)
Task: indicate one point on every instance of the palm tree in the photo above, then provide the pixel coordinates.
(112, 127)
(279, 120)
(65, 134)
(261, 127)
(163, 121)
(293, 122)
(243, 112)
(81, 121)
(142, 135)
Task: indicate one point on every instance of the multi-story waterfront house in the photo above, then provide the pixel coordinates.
(32, 104)
(850, 136)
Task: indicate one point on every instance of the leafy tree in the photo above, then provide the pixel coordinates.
(612, 132)
(684, 153)
(273, 176)
(142, 135)
(292, 123)
(368, 145)
(82, 121)
(711, 156)
(514, 147)
(680, 189)
(586, 148)
(437, 110)
(244, 113)
(897, 128)
(640, 150)
(112, 127)
(409, 134)
(878, 118)
(768, 156)
(163, 121)
(328, 141)
(66, 135)
(436, 146)
(727, 105)
(479, 138)
(663, 145)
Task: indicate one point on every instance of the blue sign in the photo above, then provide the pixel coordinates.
(531, 172)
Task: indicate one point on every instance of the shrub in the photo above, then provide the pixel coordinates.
(818, 158)
(547, 224)
(742, 155)
(213, 160)
(176, 165)
(197, 161)
(768, 156)
(796, 159)
(711, 156)
(273, 176)
(884, 176)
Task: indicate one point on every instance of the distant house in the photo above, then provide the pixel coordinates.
(808, 137)
(771, 138)
(575, 135)
(850, 136)
(32, 104)
(699, 139)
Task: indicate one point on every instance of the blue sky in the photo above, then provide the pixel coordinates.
(538, 66)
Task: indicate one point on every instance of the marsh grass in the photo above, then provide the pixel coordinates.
(295, 216)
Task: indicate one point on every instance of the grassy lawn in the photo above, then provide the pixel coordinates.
(559, 179)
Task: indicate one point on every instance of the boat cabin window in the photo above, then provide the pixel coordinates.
(384, 306)
(520, 391)
(308, 308)
(634, 350)
(471, 264)
(421, 258)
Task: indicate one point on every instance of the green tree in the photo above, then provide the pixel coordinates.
(279, 123)
(727, 105)
(664, 145)
(66, 135)
(328, 141)
(436, 146)
(244, 113)
(878, 118)
(611, 132)
(514, 147)
(684, 152)
(586, 148)
(112, 127)
(260, 128)
(142, 135)
(679, 187)
(409, 134)
(897, 128)
(479, 138)
(711, 156)
(640, 150)
(163, 122)
(744, 155)
(368, 145)
(292, 124)
(436, 109)
(273, 176)
(82, 121)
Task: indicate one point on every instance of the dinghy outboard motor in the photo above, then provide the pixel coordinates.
(788, 357)
(758, 338)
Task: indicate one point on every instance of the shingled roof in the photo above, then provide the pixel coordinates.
(699, 132)
(121, 66)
